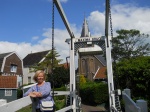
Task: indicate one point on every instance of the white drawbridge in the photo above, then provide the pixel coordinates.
(104, 44)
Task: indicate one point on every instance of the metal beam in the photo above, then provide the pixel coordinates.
(107, 22)
(63, 16)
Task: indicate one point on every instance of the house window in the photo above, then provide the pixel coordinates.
(8, 92)
(13, 68)
(29, 80)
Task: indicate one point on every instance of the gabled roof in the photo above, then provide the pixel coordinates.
(100, 74)
(101, 59)
(34, 58)
(2, 56)
(8, 81)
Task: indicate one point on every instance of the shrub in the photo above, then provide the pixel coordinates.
(82, 79)
(94, 93)
(19, 93)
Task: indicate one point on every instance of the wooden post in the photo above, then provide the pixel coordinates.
(142, 104)
(128, 92)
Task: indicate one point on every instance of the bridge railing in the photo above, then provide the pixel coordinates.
(25, 101)
(130, 105)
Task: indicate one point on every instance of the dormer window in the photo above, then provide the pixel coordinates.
(13, 68)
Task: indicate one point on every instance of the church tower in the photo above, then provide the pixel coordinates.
(86, 64)
(85, 29)
(89, 63)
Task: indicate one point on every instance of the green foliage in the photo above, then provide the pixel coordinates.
(60, 104)
(135, 74)
(60, 77)
(129, 43)
(94, 93)
(82, 79)
(19, 93)
(60, 101)
(26, 109)
(62, 88)
(46, 64)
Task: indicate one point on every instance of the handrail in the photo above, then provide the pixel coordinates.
(25, 101)
(28, 86)
(16, 104)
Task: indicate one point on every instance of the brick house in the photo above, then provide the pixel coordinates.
(11, 65)
(11, 72)
(8, 88)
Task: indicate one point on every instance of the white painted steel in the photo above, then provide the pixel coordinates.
(25, 87)
(57, 93)
(72, 75)
(110, 76)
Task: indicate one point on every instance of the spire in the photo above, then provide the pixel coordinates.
(85, 29)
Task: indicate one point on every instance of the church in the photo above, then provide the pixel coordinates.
(91, 64)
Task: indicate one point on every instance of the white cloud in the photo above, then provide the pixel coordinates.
(96, 22)
(131, 17)
(59, 41)
(35, 37)
(123, 17)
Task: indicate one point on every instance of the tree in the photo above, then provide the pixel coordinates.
(46, 64)
(134, 73)
(129, 43)
(59, 77)
(126, 45)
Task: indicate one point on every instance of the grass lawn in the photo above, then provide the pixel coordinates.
(26, 109)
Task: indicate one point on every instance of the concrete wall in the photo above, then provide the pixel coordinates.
(26, 74)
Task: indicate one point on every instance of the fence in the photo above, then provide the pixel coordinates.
(130, 105)
(25, 101)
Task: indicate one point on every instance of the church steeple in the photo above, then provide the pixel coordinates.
(85, 29)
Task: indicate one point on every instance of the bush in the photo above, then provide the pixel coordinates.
(94, 93)
(82, 79)
(60, 101)
(19, 93)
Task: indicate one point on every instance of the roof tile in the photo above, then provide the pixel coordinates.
(34, 58)
(8, 81)
(101, 74)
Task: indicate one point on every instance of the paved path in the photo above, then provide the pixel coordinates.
(88, 108)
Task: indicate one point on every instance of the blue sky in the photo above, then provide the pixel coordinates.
(25, 25)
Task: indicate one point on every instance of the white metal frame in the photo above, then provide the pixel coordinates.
(109, 72)
(72, 64)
